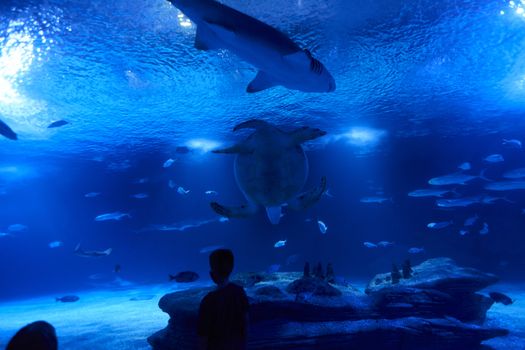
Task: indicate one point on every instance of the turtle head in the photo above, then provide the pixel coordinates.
(307, 133)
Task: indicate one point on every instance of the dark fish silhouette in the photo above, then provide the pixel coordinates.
(6, 131)
(68, 299)
(57, 124)
(501, 298)
(117, 268)
(185, 277)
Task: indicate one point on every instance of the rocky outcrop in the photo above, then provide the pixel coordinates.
(291, 311)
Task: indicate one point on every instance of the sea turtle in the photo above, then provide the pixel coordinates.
(271, 169)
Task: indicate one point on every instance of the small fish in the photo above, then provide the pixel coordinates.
(512, 143)
(505, 186)
(68, 299)
(17, 228)
(485, 229)
(375, 199)
(117, 216)
(465, 166)
(223, 219)
(117, 268)
(494, 158)
(168, 163)
(209, 249)
(140, 195)
(501, 298)
(5, 234)
(184, 277)
(471, 220)
(57, 124)
(172, 184)
(142, 180)
(273, 268)
(92, 253)
(370, 245)
(211, 193)
(322, 226)
(7, 132)
(439, 225)
(491, 200)
(456, 179)
(458, 202)
(55, 244)
(463, 232)
(429, 193)
(92, 194)
(385, 244)
(280, 244)
(181, 190)
(416, 250)
(515, 174)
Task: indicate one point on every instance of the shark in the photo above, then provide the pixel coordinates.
(279, 60)
(92, 253)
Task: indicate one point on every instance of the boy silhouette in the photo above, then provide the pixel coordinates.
(223, 313)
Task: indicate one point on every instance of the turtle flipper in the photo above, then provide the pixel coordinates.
(309, 198)
(242, 211)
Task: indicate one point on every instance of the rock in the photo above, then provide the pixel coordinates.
(269, 291)
(440, 274)
(313, 285)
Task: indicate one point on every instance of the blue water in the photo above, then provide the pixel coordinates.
(422, 86)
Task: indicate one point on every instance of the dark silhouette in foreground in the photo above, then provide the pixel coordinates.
(38, 335)
(223, 313)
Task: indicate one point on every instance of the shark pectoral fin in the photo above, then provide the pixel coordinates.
(225, 33)
(235, 149)
(242, 211)
(274, 214)
(205, 39)
(309, 198)
(298, 58)
(262, 81)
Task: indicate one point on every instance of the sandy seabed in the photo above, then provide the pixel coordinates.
(108, 319)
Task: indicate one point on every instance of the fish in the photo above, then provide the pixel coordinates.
(494, 158)
(92, 194)
(117, 216)
(7, 132)
(280, 244)
(439, 225)
(57, 124)
(322, 226)
(273, 268)
(223, 219)
(465, 166)
(168, 163)
(471, 220)
(429, 192)
(211, 193)
(505, 186)
(209, 249)
(92, 253)
(515, 174)
(181, 190)
(142, 180)
(278, 59)
(5, 234)
(375, 199)
(485, 229)
(68, 299)
(17, 228)
(456, 179)
(184, 277)
(140, 195)
(491, 200)
(501, 298)
(385, 244)
(458, 202)
(463, 232)
(512, 143)
(55, 244)
(416, 250)
(370, 245)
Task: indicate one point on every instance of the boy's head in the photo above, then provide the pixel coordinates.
(221, 265)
